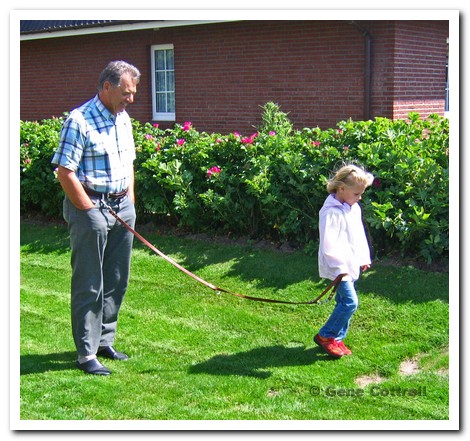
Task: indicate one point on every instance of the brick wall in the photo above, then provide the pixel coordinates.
(308, 68)
(419, 77)
(224, 72)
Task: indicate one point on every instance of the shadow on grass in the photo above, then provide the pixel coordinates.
(40, 363)
(267, 269)
(256, 362)
(44, 239)
(278, 270)
(403, 284)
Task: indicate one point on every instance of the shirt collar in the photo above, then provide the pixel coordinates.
(104, 110)
(344, 205)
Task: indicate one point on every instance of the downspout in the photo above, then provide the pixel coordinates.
(367, 67)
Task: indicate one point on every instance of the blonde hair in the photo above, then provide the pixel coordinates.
(349, 175)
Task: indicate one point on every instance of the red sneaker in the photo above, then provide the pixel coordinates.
(330, 345)
(342, 346)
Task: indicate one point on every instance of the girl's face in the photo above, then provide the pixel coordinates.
(350, 193)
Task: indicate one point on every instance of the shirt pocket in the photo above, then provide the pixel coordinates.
(126, 143)
(96, 145)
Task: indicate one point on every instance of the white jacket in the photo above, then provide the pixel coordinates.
(343, 242)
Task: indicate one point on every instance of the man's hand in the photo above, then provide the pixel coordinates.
(74, 189)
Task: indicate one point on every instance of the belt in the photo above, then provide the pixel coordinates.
(98, 194)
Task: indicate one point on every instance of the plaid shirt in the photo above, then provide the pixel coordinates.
(98, 146)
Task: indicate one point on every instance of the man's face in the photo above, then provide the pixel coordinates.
(116, 98)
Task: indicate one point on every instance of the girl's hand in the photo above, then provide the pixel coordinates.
(365, 267)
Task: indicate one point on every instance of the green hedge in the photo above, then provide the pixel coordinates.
(271, 183)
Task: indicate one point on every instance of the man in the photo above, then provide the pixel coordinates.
(95, 168)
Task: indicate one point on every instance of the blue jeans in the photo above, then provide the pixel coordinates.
(101, 252)
(346, 304)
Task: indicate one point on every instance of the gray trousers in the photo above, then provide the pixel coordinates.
(101, 252)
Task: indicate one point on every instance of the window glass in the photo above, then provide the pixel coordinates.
(163, 83)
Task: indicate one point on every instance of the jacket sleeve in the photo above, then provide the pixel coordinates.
(362, 244)
(332, 256)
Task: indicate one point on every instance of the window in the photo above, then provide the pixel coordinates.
(163, 83)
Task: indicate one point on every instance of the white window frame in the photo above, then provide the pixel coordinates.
(159, 116)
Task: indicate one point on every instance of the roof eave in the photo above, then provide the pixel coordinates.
(99, 29)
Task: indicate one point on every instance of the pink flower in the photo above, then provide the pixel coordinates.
(187, 126)
(149, 137)
(219, 140)
(156, 125)
(249, 139)
(316, 143)
(236, 134)
(180, 141)
(376, 183)
(213, 170)
(272, 133)
(158, 147)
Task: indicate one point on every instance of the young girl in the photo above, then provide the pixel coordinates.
(343, 250)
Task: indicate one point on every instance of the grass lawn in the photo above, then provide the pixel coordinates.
(196, 355)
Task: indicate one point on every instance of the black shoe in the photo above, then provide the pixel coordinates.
(93, 367)
(111, 353)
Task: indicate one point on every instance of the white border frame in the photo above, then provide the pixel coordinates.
(337, 11)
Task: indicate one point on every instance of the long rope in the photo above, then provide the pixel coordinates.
(332, 286)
